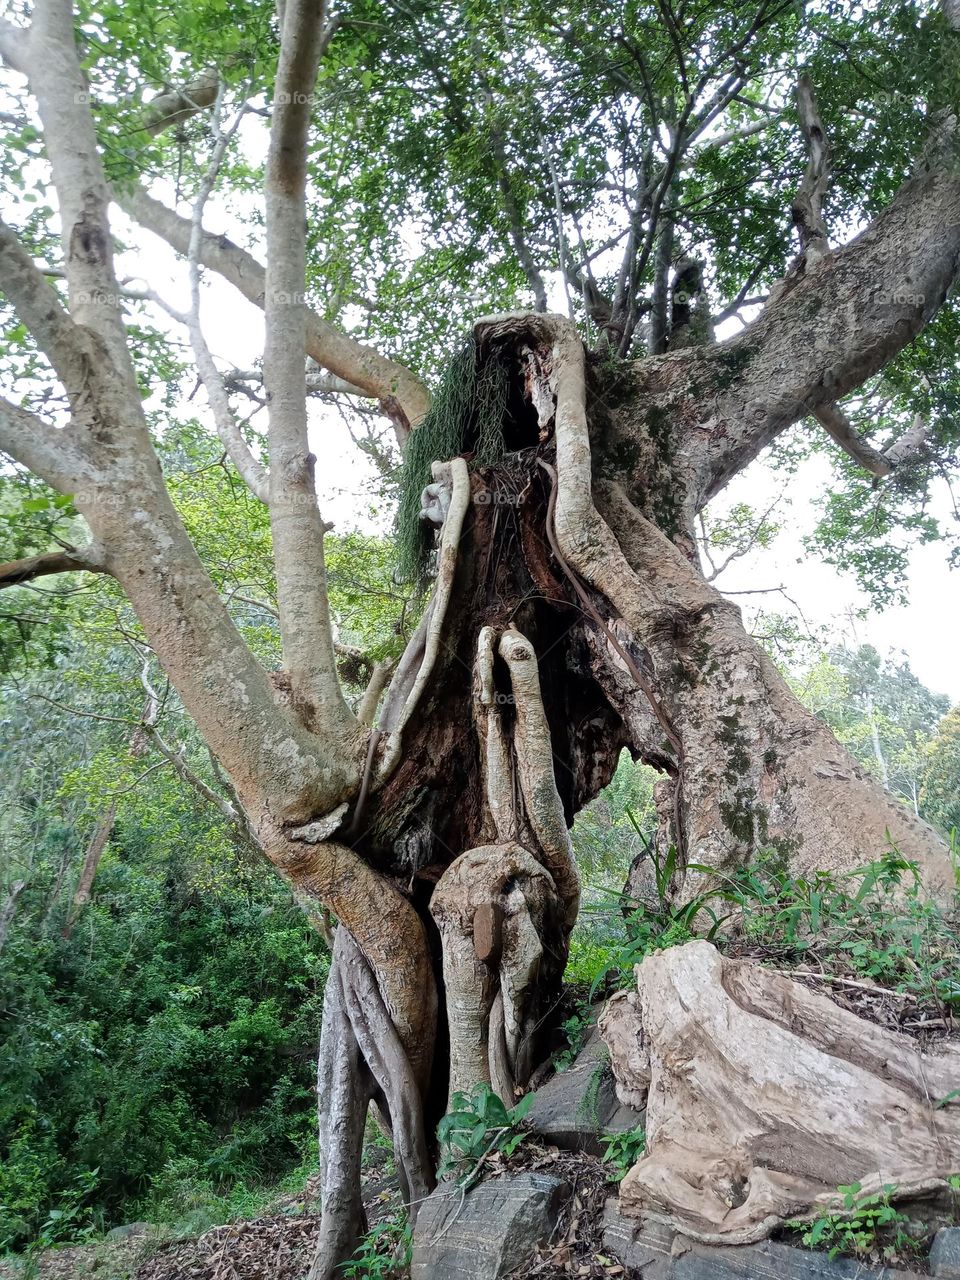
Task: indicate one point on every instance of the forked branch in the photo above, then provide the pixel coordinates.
(404, 397)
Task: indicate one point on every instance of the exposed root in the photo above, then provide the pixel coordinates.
(344, 1089)
(361, 1059)
(387, 930)
(495, 761)
(534, 754)
(417, 663)
(493, 906)
(390, 1067)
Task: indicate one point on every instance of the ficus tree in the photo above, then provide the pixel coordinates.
(433, 177)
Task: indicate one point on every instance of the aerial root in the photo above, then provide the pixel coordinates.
(344, 1090)
(494, 907)
(361, 1060)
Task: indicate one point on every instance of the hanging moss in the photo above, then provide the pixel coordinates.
(466, 416)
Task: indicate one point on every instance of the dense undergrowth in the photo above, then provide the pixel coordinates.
(159, 1063)
(873, 922)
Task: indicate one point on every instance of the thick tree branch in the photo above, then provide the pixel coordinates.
(176, 105)
(841, 429)
(106, 460)
(381, 673)
(403, 395)
(295, 520)
(39, 446)
(71, 145)
(16, 572)
(833, 330)
(808, 204)
(13, 45)
(38, 306)
(878, 463)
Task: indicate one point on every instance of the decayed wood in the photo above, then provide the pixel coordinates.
(764, 1097)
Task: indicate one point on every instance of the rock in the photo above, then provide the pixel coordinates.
(765, 1096)
(129, 1230)
(575, 1106)
(945, 1254)
(490, 1232)
(661, 1253)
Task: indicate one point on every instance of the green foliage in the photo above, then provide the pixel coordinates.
(664, 923)
(384, 1253)
(940, 785)
(466, 416)
(165, 1048)
(872, 922)
(576, 1028)
(621, 1151)
(478, 1125)
(589, 950)
(865, 1225)
(611, 831)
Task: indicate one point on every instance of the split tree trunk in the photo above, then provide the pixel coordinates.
(568, 612)
(575, 626)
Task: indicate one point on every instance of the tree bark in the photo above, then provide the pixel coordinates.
(91, 864)
(569, 612)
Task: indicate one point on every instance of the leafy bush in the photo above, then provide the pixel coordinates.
(170, 1040)
(478, 1125)
(866, 1224)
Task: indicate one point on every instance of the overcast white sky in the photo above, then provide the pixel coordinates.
(927, 628)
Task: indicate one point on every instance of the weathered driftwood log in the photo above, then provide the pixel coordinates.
(763, 1097)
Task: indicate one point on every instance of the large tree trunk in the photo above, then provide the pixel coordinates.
(569, 614)
(575, 626)
(756, 770)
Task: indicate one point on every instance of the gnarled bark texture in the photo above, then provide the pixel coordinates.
(568, 612)
(763, 1097)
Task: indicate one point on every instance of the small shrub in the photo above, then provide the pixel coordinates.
(621, 1151)
(576, 1028)
(667, 923)
(478, 1125)
(384, 1253)
(866, 1224)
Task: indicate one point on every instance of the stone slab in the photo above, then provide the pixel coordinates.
(945, 1254)
(577, 1105)
(655, 1251)
(491, 1232)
